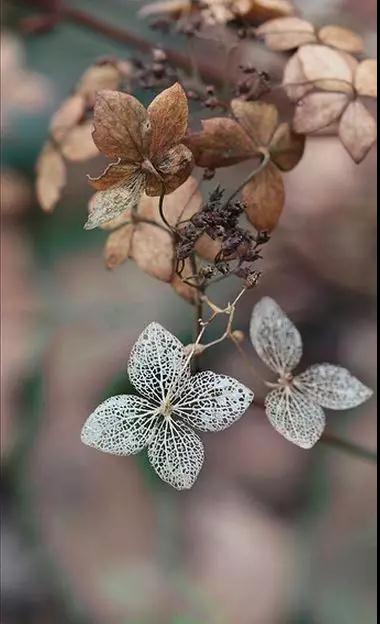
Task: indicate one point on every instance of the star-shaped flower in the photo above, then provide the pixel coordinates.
(294, 406)
(147, 145)
(172, 403)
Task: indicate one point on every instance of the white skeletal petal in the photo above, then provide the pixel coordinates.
(121, 425)
(332, 386)
(212, 402)
(157, 363)
(176, 453)
(276, 340)
(111, 203)
(299, 419)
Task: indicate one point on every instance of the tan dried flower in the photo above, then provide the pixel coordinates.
(256, 128)
(327, 86)
(148, 148)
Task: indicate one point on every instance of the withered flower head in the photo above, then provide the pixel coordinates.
(148, 148)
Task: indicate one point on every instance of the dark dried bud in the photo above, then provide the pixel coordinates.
(208, 174)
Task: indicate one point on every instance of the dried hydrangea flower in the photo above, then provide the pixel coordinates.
(294, 406)
(147, 145)
(172, 403)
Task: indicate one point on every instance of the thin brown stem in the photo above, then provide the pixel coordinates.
(264, 161)
(349, 447)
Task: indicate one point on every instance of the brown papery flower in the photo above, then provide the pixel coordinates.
(148, 148)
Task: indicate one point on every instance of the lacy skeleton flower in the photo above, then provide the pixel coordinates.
(172, 400)
(294, 406)
(147, 145)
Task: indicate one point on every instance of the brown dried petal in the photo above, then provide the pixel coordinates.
(153, 251)
(294, 79)
(98, 78)
(264, 197)
(366, 78)
(357, 131)
(118, 246)
(286, 33)
(181, 288)
(68, 115)
(51, 177)
(341, 38)
(168, 115)
(78, 144)
(221, 143)
(109, 204)
(115, 174)
(317, 111)
(258, 119)
(175, 8)
(287, 147)
(121, 126)
(174, 169)
(326, 68)
(258, 11)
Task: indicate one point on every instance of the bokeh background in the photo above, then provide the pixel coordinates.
(270, 534)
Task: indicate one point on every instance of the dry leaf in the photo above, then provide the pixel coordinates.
(294, 80)
(118, 246)
(326, 68)
(357, 130)
(51, 177)
(258, 119)
(168, 114)
(341, 38)
(181, 288)
(286, 33)
(78, 144)
(287, 147)
(317, 111)
(366, 78)
(153, 251)
(221, 143)
(264, 197)
(67, 116)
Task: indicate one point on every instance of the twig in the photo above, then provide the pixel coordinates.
(349, 447)
(265, 160)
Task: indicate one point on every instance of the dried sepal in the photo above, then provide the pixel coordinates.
(114, 174)
(366, 78)
(341, 38)
(327, 69)
(153, 251)
(121, 125)
(110, 204)
(294, 80)
(67, 116)
(77, 145)
(264, 197)
(286, 33)
(357, 130)
(51, 177)
(173, 170)
(168, 115)
(287, 147)
(118, 246)
(259, 119)
(318, 110)
(103, 76)
(221, 143)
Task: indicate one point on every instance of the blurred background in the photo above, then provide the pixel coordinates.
(270, 534)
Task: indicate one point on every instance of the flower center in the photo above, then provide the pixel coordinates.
(148, 167)
(166, 409)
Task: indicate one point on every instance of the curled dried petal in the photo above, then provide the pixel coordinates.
(173, 170)
(114, 174)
